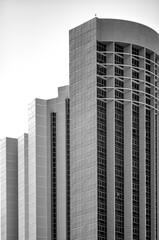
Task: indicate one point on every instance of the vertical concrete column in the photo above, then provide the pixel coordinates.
(61, 165)
(153, 178)
(153, 161)
(111, 170)
(128, 170)
(32, 171)
(3, 165)
(142, 156)
(0, 189)
(142, 171)
(111, 158)
(157, 175)
(23, 213)
(128, 162)
(158, 162)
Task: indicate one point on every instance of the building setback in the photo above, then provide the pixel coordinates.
(88, 168)
(47, 168)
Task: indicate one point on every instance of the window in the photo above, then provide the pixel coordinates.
(53, 175)
(119, 83)
(135, 74)
(119, 71)
(101, 58)
(101, 70)
(135, 51)
(135, 86)
(135, 157)
(135, 62)
(118, 48)
(119, 59)
(119, 164)
(101, 47)
(102, 169)
(67, 106)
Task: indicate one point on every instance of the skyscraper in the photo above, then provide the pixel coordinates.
(88, 168)
(114, 80)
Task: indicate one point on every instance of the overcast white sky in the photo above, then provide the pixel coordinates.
(34, 48)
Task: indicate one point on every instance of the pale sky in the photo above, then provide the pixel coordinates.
(34, 48)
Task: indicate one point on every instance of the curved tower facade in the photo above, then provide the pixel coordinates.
(114, 131)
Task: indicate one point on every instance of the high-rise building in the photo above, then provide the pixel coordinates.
(9, 189)
(47, 168)
(88, 168)
(114, 133)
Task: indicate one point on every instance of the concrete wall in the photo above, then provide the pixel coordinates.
(23, 213)
(61, 164)
(127, 32)
(0, 188)
(83, 132)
